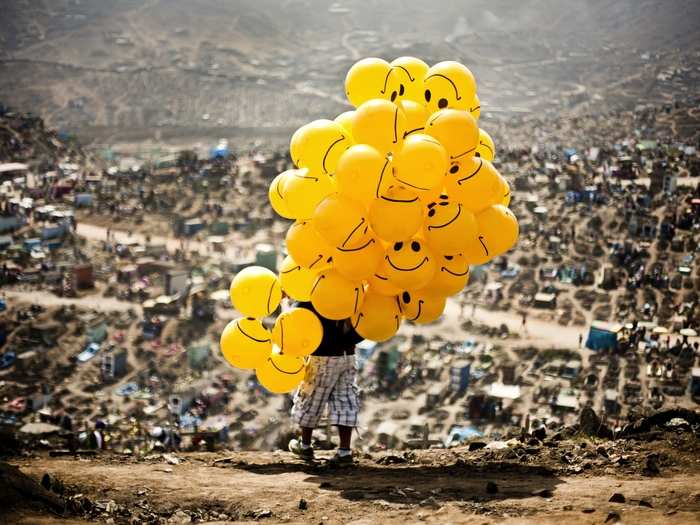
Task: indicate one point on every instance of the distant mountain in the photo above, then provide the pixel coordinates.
(138, 66)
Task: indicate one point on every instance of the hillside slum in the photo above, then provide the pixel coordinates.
(115, 273)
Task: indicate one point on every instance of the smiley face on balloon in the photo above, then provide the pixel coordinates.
(449, 226)
(281, 372)
(409, 264)
(421, 306)
(474, 183)
(452, 275)
(410, 72)
(449, 85)
(245, 343)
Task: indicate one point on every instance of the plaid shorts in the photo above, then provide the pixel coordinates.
(328, 381)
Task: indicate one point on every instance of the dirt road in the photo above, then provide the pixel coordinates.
(437, 488)
(92, 302)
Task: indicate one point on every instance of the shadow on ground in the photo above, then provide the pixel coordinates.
(417, 483)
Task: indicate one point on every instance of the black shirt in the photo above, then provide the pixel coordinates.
(339, 337)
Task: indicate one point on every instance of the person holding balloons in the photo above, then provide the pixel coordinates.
(329, 381)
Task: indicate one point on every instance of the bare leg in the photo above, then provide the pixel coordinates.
(345, 435)
(306, 435)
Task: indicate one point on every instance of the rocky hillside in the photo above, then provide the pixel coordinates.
(648, 474)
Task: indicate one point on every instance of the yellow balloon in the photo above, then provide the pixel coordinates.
(477, 252)
(304, 190)
(321, 144)
(380, 283)
(452, 275)
(306, 246)
(255, 292)
(295, 143)
(379, 317)
(421, 163)
(448, 226)
(448, 85)
(506, 192)
(421, 306)
(281, 373)
(276, 195)
(335, 297)
(456, 130)
(346, 120)
(366, 80)
(296, 280)
(410, 71)
(363, 173)
(498, 229)
(475, 107)
(410, 264)
(396, 215)
(380, 124)
(416, 116)
(297, 332)
(475, 183)
(341, 221)
(358, 262)
(245, 343)
(486, 149)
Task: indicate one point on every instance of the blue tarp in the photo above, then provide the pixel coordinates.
(460, 434)
(219, 152)
(599, 339)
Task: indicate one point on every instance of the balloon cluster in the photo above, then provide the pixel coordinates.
(391, 202)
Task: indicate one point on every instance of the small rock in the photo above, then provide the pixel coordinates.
(589, 422)
(491, 488)
(263, 514)
(476, 445)
(533, 442)
(588, 510)
(567, 507)
(601, 450)
(617, 498)
(645, 503)
(391, 460)
(302, 504)
(180, 517)
(171, 459)
(46, 481)
(543, 493)
(613, 516)
(651, 468)
(429, 502)
(540, 433)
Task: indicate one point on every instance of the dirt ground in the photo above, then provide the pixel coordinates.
(434, 486)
